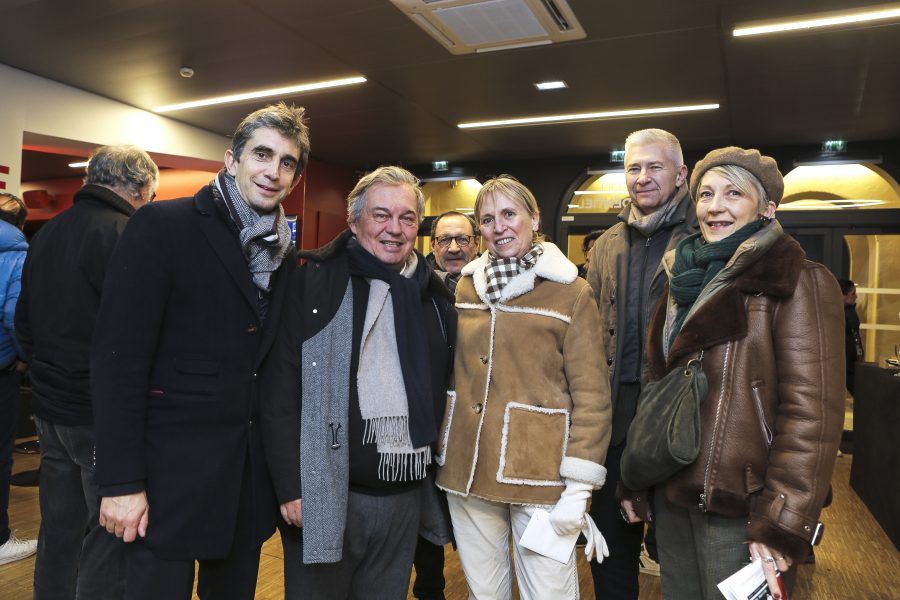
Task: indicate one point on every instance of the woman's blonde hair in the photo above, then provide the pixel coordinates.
(743, 180)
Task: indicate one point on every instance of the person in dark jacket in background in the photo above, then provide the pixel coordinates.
(454, 244)
(61, 285)
(852, 341)
(12, 255)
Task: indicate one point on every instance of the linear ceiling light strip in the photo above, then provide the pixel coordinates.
(594, 116)
(815, 23)
(284, 91)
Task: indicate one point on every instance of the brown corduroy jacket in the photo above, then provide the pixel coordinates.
(531, 405)
(773, 352)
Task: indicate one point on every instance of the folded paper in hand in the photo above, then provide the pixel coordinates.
(749, 584)
(540, 537)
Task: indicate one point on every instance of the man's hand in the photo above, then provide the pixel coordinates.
(125, 516)
(636, 510)
(292, 512)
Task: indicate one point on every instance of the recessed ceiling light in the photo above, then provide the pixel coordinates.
(594, 116)
(551, 85)
(77, 165)
(284, 91)
(875, 14)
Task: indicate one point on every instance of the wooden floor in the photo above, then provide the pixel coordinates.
(856, 560)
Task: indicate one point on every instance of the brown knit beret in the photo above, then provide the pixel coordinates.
(763, 168)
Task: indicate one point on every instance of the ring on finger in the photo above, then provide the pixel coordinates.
(768, 559)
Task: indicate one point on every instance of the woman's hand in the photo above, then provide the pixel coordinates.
(771, 560)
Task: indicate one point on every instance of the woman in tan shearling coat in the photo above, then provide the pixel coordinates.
(528, 424)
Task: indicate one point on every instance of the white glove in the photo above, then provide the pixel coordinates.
(567, 516)
(596, 544)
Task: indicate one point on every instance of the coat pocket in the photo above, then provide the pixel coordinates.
(533, 444)
(444, 432)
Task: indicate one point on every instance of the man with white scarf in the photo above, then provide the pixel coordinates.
(358, 377)
(189, 312)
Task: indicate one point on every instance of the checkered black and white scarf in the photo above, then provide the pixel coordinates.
(265, 238)
(501, 270)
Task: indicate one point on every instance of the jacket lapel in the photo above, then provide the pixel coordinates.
(224, 244)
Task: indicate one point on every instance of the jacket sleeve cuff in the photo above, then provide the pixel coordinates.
(583, 470)
(761, 529)
(120, 489)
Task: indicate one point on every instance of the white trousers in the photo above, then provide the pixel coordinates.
(482, 529)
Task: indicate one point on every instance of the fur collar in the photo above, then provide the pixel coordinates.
(723, 317)
(551, 265)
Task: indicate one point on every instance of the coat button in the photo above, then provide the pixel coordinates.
(484, 360)
(609, 361)
(315, 311)
(252, 329)
(612, 331)
(255, 374)
(478, 408)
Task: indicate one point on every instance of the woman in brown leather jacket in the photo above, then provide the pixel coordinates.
(769, 326)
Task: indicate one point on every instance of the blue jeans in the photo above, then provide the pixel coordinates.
(9, 396)
(76, 558)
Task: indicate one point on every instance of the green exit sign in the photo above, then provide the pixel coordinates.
(439, 165)
(834, 146)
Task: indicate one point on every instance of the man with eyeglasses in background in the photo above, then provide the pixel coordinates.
(454, 243)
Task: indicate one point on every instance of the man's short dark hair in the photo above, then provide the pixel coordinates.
(288, 120)
(126, 167)
(586, 242)
(12, 209)
(846, 286)
(449, 213)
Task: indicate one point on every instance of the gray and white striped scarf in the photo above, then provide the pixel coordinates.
(265, 238)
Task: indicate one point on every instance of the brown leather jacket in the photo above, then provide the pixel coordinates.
(773, 348)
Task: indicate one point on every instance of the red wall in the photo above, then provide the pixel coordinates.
(325, 202)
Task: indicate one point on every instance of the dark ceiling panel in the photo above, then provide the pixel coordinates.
(774, 90)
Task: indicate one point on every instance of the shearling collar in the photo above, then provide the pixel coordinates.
(551, 265)
(722, 316)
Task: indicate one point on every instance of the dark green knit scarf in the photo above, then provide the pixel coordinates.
(697, 262)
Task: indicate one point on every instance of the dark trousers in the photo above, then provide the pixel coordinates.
(429, 565)
(76, 558)
(9, 400)
(617, 577)
(150, 577)
(379, 544)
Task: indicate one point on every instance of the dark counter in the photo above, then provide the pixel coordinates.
(875, 472)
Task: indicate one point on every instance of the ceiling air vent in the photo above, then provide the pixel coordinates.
(466, 26)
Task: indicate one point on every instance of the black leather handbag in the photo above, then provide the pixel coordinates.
(664, 436)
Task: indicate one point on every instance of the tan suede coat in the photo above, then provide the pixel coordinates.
(771, 328)
(531, 405)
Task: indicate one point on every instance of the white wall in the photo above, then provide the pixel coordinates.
(33, 105)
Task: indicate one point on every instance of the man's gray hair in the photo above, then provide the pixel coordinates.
(288, 120)
(657, 136)
(126, 167)
(356, 201)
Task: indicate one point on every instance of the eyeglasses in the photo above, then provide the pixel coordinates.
(461, 240)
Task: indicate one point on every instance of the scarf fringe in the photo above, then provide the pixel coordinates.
(391, 432)
(400, 466)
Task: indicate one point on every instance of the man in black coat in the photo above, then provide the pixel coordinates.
(61, 284)
(189, 312)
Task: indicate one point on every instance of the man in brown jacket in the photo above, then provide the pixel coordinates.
(627, 277)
